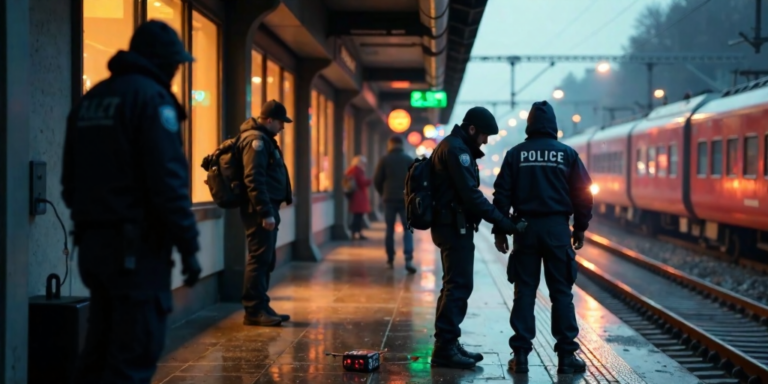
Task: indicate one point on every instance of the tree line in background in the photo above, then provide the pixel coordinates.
(685, 26)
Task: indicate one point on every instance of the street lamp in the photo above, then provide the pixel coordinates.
(558, 94)
(576, 118)
(659, 93)
(512, 122)
(603, 67)
(523, 115)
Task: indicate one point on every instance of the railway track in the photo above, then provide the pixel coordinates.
(719, 336)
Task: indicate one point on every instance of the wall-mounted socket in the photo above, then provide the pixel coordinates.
(37, 179)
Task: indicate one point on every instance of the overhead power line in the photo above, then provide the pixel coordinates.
(558, 34)
(611, 20)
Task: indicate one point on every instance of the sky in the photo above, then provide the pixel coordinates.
(521, 27)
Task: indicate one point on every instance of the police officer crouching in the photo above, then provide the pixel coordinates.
(459, 206)
(125, 179)
(544, 181)
(266, 179)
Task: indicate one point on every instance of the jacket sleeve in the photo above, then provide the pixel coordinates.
(505, 184)
(581, 197)
(167, 173)
(66, 164)
(467, 189)
(378, 177)
(255, 161)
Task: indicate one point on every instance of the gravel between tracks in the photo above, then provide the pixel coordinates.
(748, 283)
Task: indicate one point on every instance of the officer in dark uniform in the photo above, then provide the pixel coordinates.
(459, 206)
(266, 178)
(544, 181)
(125, 179)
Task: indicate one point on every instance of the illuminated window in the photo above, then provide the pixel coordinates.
(313, 132)
(640, 161)
(349, 126)
(273, 81)
(661, 159)
(171, 13)
(716, 167)
(765, 156)
(206, 135)
(701, 166)
(732, 161)
(257, 81)
(107, 28)
(750, 156)
(289, 134)
(326, 174)
(322, 143)
(651, 161)
(673, 160)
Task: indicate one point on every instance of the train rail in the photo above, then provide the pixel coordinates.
(708, 330)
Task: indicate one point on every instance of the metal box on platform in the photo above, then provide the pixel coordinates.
(57, 329)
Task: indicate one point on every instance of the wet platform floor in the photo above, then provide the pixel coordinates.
(351, 300)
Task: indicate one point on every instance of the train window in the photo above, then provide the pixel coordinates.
(672, 160)
(661, 160)
(750, 156)
(640, 162)
(716, 167)
(701, 167)
(765, 155)
(651, 161)
(732, 161)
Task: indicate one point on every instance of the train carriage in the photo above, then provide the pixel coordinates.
(608, 168)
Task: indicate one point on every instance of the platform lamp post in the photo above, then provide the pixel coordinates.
(660, 94)
(576, 118)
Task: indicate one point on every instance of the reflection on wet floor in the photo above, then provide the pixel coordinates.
(352, 301)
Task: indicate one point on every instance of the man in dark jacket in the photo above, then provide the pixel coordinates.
(125, 179)
(459, 206)
(389, 181)
(266, 179)
(544, 181)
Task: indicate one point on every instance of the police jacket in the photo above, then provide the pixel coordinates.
(389, 178)
(123, 157)
(264, 171)
(455, 178)
(543, 176)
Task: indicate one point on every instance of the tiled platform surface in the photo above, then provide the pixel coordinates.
(351, 301)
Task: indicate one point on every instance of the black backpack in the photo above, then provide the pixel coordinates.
(418, 194)
(225, 173)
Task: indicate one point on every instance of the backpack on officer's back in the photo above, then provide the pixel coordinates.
(418, 194)
(225, 173)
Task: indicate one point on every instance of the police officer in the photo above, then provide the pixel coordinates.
(544, 181)
(125, 179)
(459, 206)
(268, 185)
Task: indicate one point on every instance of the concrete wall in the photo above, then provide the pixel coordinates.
(50, 101)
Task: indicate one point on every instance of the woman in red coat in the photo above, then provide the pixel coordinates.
(359, 203)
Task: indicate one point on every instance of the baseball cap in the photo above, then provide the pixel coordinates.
(273, 109)
(482, 119)
(156, 40)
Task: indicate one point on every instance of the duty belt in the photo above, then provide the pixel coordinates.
(455, 214)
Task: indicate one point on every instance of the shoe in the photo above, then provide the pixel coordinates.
(448, 355)
(390, 264)
(262, 319)
(361, 237)
(274, 313)
(570, 363)
(519, 363)
(409, 267)
(477, 357)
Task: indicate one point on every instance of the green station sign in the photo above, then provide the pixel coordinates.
(429, 99)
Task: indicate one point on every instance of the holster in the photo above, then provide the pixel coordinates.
(452, 215)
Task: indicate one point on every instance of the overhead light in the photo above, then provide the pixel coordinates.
(400, 84)
(157, 3)
(256, 79)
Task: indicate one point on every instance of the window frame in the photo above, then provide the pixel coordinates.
(698, 158)
(728, 156)
(744, 173)
(672, 171)
(765, 156)
(712, 174)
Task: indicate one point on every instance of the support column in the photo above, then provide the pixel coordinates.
(371, 138)
(243, 17)
(339, 229)
(14, 189)
(304, 248)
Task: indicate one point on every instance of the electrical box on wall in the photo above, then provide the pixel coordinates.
(37, 188)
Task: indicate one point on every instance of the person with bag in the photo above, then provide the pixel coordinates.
(544, 182)
(389, 180)
(265, 186)
(359, 203)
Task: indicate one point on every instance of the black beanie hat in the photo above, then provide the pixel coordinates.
(482, 119)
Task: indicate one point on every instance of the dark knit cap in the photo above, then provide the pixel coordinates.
(482, 119)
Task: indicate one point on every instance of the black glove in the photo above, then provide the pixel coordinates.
(501, 243)
(578, 239)
(508, 227)
(190, 268)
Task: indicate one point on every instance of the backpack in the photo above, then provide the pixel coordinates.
(418, 194)
(225, 173)
(348, 185)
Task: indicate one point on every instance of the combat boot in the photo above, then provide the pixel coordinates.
(263, 318)
(448, 355)
(477, 357)
(570, 363)
(274, 313)
(519, 363)
(409, 267)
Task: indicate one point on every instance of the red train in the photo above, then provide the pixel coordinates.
(697, 168)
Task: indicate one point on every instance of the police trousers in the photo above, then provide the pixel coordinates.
(549, 239)
(457, 252)
(260, 262)
(127, 312)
